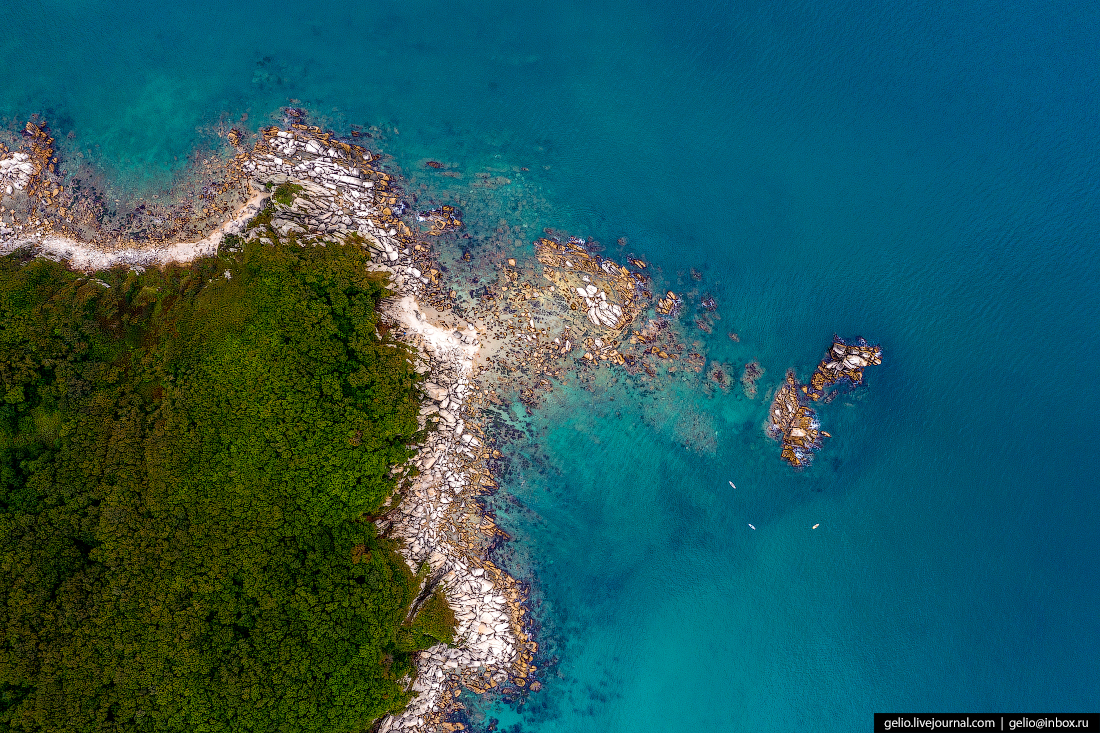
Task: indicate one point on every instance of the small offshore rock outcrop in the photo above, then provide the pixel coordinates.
(669, 305)
(844, 361)
(792, 421)
(794, 424)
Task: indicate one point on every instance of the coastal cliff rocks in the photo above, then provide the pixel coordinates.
(442, 526)
(343, 196)
(792, 421)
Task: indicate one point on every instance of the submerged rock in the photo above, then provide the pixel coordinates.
(753, 372)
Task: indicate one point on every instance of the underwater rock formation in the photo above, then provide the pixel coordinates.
(753, 372)
(441, 219)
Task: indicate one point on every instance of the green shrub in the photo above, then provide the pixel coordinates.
(434, 623)
(285, 193)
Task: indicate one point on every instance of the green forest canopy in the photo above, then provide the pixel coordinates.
(188, 461)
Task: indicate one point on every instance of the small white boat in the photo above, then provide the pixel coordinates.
(752, 526)
(815, 526)
(732, 486)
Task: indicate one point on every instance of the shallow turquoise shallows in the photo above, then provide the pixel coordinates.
(925, 175)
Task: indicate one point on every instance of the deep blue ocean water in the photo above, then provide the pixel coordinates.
(926, 175)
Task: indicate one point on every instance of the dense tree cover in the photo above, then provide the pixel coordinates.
(187, 462)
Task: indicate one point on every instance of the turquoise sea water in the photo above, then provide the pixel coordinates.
(926, 175)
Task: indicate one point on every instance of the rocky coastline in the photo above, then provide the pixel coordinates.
(339, 196)
(570, 309)
(304, 186)
(42, 198)
(567, 310)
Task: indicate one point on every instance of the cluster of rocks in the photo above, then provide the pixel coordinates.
(657, 347)
(440, 219)
(792, 421)
(42, 204)
(339, 185)
(16, 170)
(600, 311)
(539, 313)
(337, 194)
(669, 305)
(718, 374)
(26, 174)
(571, 266)
(843, 361)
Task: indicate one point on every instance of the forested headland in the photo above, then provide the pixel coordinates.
(189, 459)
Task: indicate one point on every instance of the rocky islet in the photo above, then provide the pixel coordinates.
(792, 421)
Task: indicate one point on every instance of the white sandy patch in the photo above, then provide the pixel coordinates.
(82, 256)
(442, 342)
